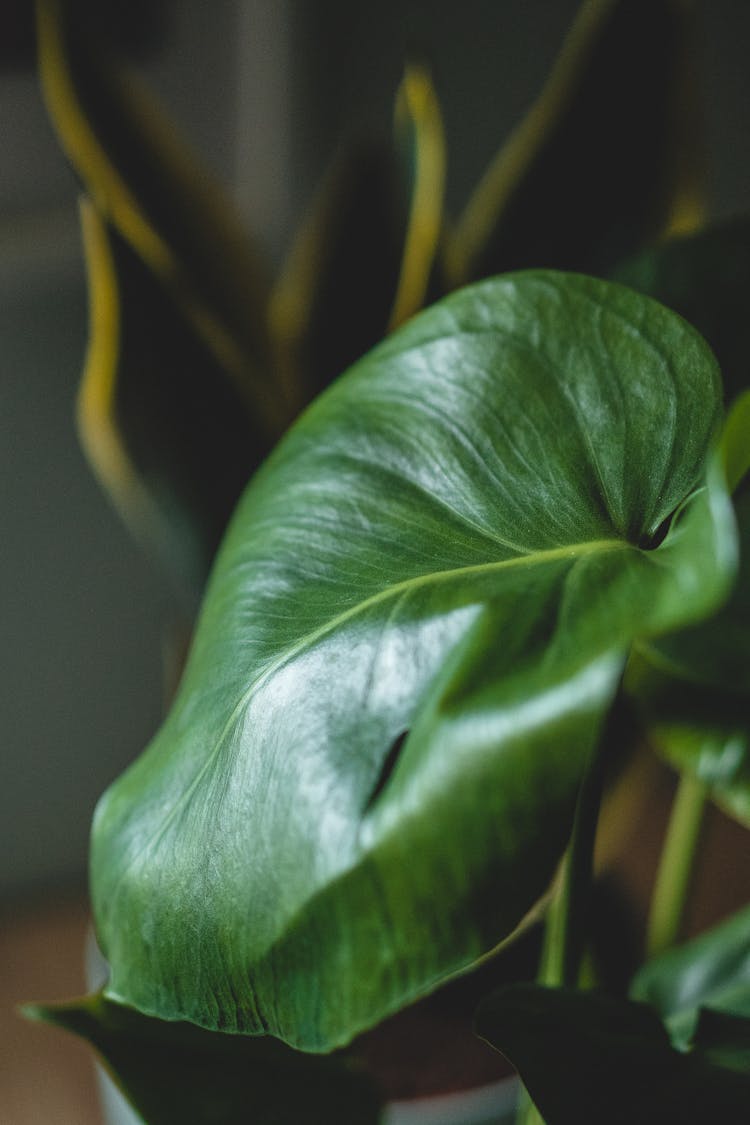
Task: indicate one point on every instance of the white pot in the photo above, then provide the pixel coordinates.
(489, 1105)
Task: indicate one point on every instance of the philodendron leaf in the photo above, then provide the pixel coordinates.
(710, 972)
(694, 686)
(693, 690)
(604, 160)
(164, 427)
(151, 189)
(588, 1058)
(455, 544)
(175, 1073)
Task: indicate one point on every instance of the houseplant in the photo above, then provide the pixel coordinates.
(501, 531)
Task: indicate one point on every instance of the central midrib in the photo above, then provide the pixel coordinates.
(572, 551)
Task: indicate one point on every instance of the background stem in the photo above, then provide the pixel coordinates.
(568, 914)
(673, 878)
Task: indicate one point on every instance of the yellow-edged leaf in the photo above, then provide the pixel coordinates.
(160, 419)
(419, 121)
(151, 189)
(333, 300)
(607, 157)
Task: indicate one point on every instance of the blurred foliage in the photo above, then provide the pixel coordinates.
(605, 161)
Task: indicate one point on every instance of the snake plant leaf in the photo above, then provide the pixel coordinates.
(413, 631)
(150, 188)
(164, 429)
(333, 300)
(363, 260)
(604, 161)
(173, 1073)
(706, 278)
(420, 139)
(587, 1058)
(711, 972)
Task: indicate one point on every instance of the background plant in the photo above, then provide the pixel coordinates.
(212, 321)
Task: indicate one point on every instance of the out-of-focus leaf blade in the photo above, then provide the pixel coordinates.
(150, 188)
(162, 422)
(705, 278)
(710, 972)
(175, 1073)
(587, 1058)
(693, 689)
(333, 300)
(724, 1038)
(605, 159)
(419, 128)
(735, 442)
(452, 542)
(363, 260)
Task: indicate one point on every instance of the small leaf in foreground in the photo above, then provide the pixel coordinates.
(710, 972)
(587, 1058)
(176, 1073)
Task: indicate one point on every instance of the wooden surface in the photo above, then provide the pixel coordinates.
(46, 1077)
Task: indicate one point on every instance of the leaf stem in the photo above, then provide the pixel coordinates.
(675, 871)
(567, 918)
(566, 937)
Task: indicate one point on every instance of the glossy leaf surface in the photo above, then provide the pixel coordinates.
(710, 972)
(587, 1058)
(694, 687)
(449, 544)
(605, 158)
(177, 1073)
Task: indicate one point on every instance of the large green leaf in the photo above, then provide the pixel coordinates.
(605, 159)
(588, 1058)
(456, 541)
(694, 686)
(175, 1073)
(693, 690)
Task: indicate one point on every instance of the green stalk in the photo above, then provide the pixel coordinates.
(676, 865)
(567, 918)
(569, 914)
